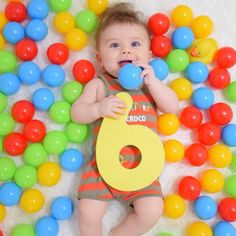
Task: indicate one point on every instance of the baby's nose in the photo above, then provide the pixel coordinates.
(126, 50)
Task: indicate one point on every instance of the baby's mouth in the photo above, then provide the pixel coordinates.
(124, 62)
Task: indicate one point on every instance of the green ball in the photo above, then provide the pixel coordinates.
(71, 91)
(86, 20)
(177, 60)
(23, 230)
(230, 92)
(59, 112)
(60, 5)
(1, 141)
(7, 124)
(3, 102)
(7, 62)
(7, 168)
(55, 142)
(233, 163)
(26, 176)
(164, 234)
(35, 154)
(76, 133)
(230, 186)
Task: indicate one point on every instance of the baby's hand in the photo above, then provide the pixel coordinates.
(111, 106)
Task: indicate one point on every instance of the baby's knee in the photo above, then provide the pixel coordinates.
(89, 217)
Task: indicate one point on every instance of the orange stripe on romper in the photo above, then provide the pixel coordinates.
(145, 192)
(92, 186)
(89, 174)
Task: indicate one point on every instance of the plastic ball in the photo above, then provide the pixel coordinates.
(129, 77)
(86, 20)
(182, 87)
(7, 61)
(223, 228)
(46, 225)
(201, 26)
(182, 15)
(23, 230)
(36, 30)
(159, 23)
(3, 20)
(197, 72)
(23, 111)
(174, 206)
(7, 168)
(13, 32)
(229, 135)
(71, 160)
(230, 186)
(9, 83)
(1, 147)
(43, 98)
(98, 6)
(60, 5)
(182, 37)
(233, 163)
(38, 9)
(7, 124)
(49, 174)
(199, 229)
(225, 57)
(2, 42)
(15, 11)
(59, 112)
(227, 209)
(205, 207)
(83, 71)
(203, 98)
(161, 45)
(58, 53)
(230, 92)
(64, 22)
(160, 68)
(165, 234)
(2, 213)
(167, 124)
(174, 150)
(3, 102)
(71, 91)
(76, 133)
(55, 142)
(177, 60)
(212, 181)
(196, 154)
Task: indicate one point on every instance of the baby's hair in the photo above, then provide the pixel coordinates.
(119, 13)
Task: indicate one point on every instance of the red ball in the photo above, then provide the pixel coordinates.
(15, 11)
(58, 53)
(196, 154)
(159, 24)
(23, 111)
(227, 209)
(1, 234)
(26, 49)
(221, 113)
(219, 78)
(191, 117)
(225, 57)
(14, 144)
(83, 71)
(189, 188)
(209, 133)
(160, 46)
(34, 131)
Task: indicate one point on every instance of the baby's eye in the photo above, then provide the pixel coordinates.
(114, 45)
(135, 44)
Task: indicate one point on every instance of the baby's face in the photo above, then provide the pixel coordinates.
(121, 44)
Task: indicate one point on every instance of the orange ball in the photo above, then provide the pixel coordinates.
(167, 124)
(174, 150)
(202, 26)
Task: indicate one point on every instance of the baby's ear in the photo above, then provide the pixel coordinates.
(150, 53)
(98, 57)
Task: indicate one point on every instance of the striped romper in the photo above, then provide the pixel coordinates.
(143, 112)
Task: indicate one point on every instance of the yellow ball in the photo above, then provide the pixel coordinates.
(212, 181)
(167, 124)
(220, 155)
(199, 229)
(49, 173)
(182, 87)
(64, 22)
(174, 206)
(32, 200)
(2, 212)
(182, 15)
(202, 26)
(76, 39)
(3, 20)
(98, 6)
(174, 150)
(2, 42)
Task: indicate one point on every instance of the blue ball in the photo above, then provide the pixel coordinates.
(53, 75)
(9, 83)
(205, 207)
(62, 208)
(182, 37)
(36, 29)
(43, 98)
(197, 72)
(38, 9)
(10, 194)
(29, 73)
(203, 98)
(160, 68)
(46, 226)
(223, 228)
(13, 32)
(129, 77)
(71, 160)
(228, 135)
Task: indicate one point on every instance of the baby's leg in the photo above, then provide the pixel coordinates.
(91, 213)
(147, 211)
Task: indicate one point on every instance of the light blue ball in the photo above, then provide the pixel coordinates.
(36, 29)
(53, 75)
(223, 228)
(9, 83)
(13, 32)
(43, 98)
(46, 226)
(182, 37)
(38, 9)
(62, 208)
(29, 73)
(228, 135)
(129, 77)
(203, 98)
(197, 72)
(160, 68)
